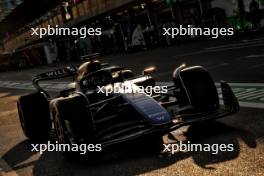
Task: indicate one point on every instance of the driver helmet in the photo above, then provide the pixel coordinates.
(88, 67)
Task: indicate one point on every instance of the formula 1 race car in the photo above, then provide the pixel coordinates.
(84, 113)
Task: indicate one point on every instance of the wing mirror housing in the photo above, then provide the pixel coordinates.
(149, 70)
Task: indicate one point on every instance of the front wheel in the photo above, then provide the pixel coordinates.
(72, 121)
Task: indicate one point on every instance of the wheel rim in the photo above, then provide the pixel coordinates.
(58, 128)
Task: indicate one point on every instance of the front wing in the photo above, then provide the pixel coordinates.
(231, 106)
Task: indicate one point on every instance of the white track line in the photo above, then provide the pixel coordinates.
(246, 91)
(247, 84)
(236, 90)
(255, 56)
(240, 94)
(249, 104)
(233, 45)
(259, 94)
(256, 96)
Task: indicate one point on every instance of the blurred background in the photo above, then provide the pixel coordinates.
(132, 38)
(121, 21)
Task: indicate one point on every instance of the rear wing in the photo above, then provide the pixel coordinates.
(69, 71)
(65, 72)
(56, 74)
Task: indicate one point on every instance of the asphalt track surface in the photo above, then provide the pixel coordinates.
(240, 62)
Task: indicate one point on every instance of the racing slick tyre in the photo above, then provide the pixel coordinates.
(72, 121)
(33, 111)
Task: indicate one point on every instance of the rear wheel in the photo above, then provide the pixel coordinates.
(33, 111)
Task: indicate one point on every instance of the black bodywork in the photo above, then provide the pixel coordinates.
(112, 119)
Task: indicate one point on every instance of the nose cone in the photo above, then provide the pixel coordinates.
(148, 108)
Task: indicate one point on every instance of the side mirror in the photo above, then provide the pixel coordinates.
(149, 70)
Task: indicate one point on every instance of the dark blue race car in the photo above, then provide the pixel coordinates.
(84, 113)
